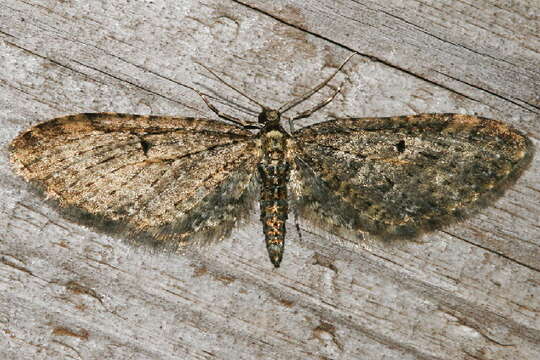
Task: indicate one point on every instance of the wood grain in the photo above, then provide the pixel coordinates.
(468, 292)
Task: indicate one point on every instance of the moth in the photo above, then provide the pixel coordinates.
(171, 182)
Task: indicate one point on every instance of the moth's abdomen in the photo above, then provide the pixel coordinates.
(274, 171)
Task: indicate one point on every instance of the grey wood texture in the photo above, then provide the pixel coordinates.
(470, 291)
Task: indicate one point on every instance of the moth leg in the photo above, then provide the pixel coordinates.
(234, 120)
(307, 113)
(297, 224)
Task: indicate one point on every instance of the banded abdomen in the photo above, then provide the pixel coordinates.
(274, 171)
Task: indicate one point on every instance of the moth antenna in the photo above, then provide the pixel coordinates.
(307, 95)
(308, 112)
(234, 120)
(230, 86)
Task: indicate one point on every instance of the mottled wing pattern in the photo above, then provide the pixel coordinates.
(155, 180)
(398, 177)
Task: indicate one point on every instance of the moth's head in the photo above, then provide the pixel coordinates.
(269, 117)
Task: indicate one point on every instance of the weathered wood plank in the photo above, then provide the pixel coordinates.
(468, 292)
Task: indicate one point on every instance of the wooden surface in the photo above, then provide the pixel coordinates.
(468, 292)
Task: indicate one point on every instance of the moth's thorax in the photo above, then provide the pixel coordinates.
(273, 145)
